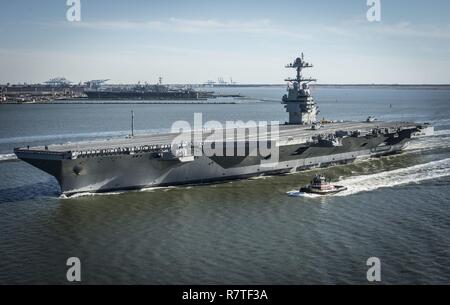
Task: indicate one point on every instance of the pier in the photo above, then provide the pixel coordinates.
(62, 91)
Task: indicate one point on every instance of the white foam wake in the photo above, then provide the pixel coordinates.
(301, 194)
(89, 194)
(443, 132)
(440, 139)
(161, 188)
(442, 122)
(407, 175)
(7, 157)
(148, 189)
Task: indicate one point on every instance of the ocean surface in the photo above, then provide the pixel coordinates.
(397, 208)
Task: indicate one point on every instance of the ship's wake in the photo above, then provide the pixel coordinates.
(440, 139)
(303, 195)
(397, 177)
(7, 157)
(387, 179)
(89, 194)
(148, 189)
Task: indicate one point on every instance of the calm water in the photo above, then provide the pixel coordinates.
(397, 208)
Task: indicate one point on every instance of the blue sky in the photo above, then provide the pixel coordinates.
(194, 41)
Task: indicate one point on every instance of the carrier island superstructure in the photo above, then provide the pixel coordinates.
(144, 161)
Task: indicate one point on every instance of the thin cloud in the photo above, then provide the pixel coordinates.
(121, 25)
(410, 30)
(259, 26)
(359, 27)
(349, 28)
(193, 25)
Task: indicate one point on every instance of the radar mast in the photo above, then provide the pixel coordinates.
(298, 102)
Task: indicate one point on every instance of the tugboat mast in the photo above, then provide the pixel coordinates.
(298, 102)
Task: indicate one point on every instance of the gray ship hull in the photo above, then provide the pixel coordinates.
(148, 95)
(109, 170)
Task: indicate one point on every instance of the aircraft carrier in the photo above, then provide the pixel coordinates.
(144, 161)
(142, 92)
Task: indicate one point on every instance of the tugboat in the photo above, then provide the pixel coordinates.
(320, 186)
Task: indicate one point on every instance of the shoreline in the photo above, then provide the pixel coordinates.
(77, 102)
